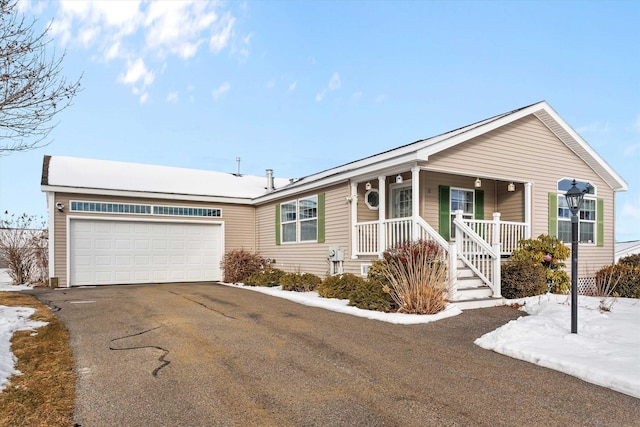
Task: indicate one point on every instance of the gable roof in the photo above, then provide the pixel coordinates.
(421, 150)
(71, 174)
(107, 177)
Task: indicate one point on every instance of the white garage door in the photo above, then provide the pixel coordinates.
(120, 252)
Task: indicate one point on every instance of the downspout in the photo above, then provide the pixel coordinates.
(51, 198)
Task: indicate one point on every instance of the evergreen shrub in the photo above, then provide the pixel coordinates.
(550, 252)
(522, 278)
(339, 286)
(268, 277)
(375, 292)
(304, 282)
(632, 260)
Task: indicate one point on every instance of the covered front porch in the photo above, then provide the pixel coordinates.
(450, 210)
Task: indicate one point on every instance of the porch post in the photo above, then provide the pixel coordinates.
(527, 209)
(382, 209)
(415, 200)
(495, 245)
(354, 220)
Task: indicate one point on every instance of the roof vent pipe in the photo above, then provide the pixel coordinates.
(270, 186)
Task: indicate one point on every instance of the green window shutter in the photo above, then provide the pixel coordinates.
(321, 215)
(479, 204)
(444, 216)
(600, 222)
(278, 228)
(553, 214)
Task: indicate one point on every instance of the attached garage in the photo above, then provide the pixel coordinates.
(111, 251)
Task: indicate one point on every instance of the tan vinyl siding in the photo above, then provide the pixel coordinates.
(510, 204)
(527, 149)
(238, 222)
(307, 257)
(429, 183)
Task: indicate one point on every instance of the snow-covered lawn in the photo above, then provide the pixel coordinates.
(606, 350)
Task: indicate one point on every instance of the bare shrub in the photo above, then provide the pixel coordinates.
(417, 277)
(24, 248)
(606, 281)
(239, 264)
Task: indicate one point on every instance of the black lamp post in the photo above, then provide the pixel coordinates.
(574, 200)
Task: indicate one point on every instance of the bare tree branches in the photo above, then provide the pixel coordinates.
(32, 89)
(24, 248)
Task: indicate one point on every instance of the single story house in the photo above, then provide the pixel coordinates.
(624, 249)
(476, 190)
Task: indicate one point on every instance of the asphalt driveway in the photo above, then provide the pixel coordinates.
(207, 355)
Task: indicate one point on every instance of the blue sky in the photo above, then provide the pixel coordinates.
(304, 86)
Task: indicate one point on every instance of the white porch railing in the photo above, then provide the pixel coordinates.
(483, 259)
(510, 233)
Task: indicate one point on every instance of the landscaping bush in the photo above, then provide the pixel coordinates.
(339, 286)
(549, 252)
(522, 278)
(268, 277)
(626, 276)
(417, 277)
(632, 260)
(239, 264)
(371, 295)
(299, 282)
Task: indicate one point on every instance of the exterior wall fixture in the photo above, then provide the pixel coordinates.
(367, 186)
(478, 183)
(574, 199)
(399, 179)
(511, 187)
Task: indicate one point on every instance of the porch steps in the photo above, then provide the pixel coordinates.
(471, 292)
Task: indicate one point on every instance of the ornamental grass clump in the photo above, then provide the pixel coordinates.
(417, 277)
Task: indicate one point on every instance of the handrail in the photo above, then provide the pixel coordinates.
(433, 234)
(477, 254)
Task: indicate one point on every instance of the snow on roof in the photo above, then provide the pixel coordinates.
(121, 176)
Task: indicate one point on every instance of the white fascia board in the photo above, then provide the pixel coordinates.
(621, 183)
(51, 211)
(337, 177)
(147, 195)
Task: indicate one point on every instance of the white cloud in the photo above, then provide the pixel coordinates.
(292, 86)
(149, 31)
(595, 127)
(335, 82)
(144, 97)
(136, 72)
(172, 97)
(221, 90)
(220, 39)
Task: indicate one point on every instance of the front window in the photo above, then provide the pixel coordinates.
(299, 220)
(586, 216)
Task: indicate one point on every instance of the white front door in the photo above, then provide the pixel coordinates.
(401, 201)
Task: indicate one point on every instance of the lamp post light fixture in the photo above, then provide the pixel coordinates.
(574, 199)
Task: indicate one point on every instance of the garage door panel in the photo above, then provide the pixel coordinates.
(111, 252)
